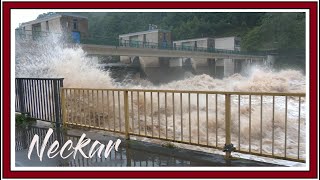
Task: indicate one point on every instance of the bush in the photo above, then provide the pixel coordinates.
(24, 120)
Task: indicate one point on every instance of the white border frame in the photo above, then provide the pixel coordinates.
(14, 168)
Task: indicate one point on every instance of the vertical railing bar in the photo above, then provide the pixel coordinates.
(261, 108)
(42, 106)
(22, 95)
(114, 111)
(87, 108)
(216, 120)
(44, 100)
(99, 115)
(138, 99)
(299, 128)
(83, 108)
(25, 88)
(165, 111)
(273, 100)
(40, 100)
(249, 123)
(173, 118)
(158, 94)
(285, 126)
(119, 110)
(44, 109)
(132, 111)
(57, 106)
(16, 96)
(181, 114)
(93, 118)
(145, 113)
(108, 110)
(32, 98)
(44, 90)
(151, 101)
(66, 106)
(198, 121)
(77, 106)
(28, 92)
(102, 105)
(189, 99)
(47, 99)
(50, 102)
(126, 114)
(72, 105)
(36, 104)
(207, 119)
(239, 124)
(228, 122)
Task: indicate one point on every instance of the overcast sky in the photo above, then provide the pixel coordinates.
(24, 15)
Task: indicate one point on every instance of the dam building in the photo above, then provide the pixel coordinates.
(216, 67)
(161, 69)
(68, 24)
(157, 69)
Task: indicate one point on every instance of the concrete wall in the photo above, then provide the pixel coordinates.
(150, 36)
(199, 43)
(226, 43)
(55, 26)
(270, 61)
(228, 67)
(125, 59)
(175, 62)
(149, 61)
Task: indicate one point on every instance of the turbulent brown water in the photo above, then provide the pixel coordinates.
(51, 58)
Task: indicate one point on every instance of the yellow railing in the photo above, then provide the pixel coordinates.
(259, 123)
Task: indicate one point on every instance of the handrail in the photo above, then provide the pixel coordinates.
(197, 91)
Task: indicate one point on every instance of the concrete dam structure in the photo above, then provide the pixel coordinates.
(153, 53)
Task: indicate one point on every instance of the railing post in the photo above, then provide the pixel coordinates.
(126, 114)
(228, 148)
(57, 110)
(63, 106)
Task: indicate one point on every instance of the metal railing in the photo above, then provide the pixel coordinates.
(39, 98)
(169, 46)
(265, 124)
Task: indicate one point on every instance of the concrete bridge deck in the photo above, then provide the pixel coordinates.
(149, 52)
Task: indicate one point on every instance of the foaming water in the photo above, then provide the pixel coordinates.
(51, 58)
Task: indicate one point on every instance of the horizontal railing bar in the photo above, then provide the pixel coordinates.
(41, 78)
(177, 141)
(200, 92)
(271, 156)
